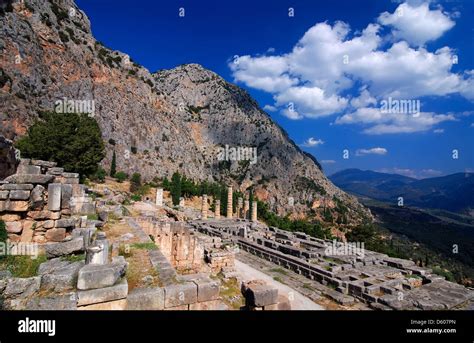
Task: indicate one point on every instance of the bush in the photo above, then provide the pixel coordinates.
(120, 176)
(3, 237)
(135, 182)
(99, 175)
(72, 140)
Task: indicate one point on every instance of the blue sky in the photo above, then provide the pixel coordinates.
(324, 73)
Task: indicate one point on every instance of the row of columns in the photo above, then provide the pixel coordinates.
(243, 207)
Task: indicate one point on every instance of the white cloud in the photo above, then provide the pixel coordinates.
(312, 142)
(417, 24)
(385, 123)
(270, 108)
(321, 71)
(438, 131)
(328, 161)
(311, 102)
(413, 173)
(371, 151)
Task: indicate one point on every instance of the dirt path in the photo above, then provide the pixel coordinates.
(298, 301)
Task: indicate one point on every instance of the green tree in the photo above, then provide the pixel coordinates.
(120, 176)
(135, 182)
(72, 140)
(175, 188)
(166, 184)
(113, 165)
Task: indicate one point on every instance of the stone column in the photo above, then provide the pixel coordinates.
(246, 209)
(204, 207)
(159, 197)
(229, 202)
(254, 211)
(239, 207)
(217, 209)
(181, 202)
(54, 196)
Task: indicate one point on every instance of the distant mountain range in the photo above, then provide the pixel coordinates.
(453, 192)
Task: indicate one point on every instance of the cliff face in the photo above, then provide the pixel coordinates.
(157, 123)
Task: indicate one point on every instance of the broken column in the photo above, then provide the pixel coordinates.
(239, 207)
(217, 209)
(229, 202)
(246, 209)
(254, 211)
(159, 197)
(98, 252)
(204, 207)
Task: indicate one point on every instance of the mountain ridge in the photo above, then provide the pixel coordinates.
(451, 192)
(157, 123)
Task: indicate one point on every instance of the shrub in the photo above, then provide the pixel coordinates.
(72, 140)
(99, 175)
(135, 182)
(120, 176)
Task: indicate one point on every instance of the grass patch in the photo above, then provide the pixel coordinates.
(278, 279)
(74, 258)
(230, 293)
(22, 266)
(145, 246)
(94, 216)
(279, 270)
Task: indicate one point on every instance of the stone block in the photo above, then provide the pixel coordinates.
(13, 227)
(4, 195)
(28, 169)
(62, 278)
(55, 171)
(21, 287)
(212, 305)
(65, 222)
(66, 302)
(16, 186)
(64, 248)
(116, 305)
(66, 194)
(56, 234)
(100, 295)
(100, 275)
(30, 178)
(10, 217)
(257, 293)
(26, 235)
(45, 164)
(17, 206)
(19, 195)
(207, 289)
(14, 238)
(37, 196)
(146, 299)
(54, 197)
(180, 294)
(45, 214)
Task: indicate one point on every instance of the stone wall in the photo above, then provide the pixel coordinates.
(42, 203)
(8, 158)
(179, 245)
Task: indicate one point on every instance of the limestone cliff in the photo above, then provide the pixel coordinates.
(157, 123)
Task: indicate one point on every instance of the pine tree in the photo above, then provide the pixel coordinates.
(113, 165)
(176, 188)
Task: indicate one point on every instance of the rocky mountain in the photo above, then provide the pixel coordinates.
(453, 192)
(157, 123)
